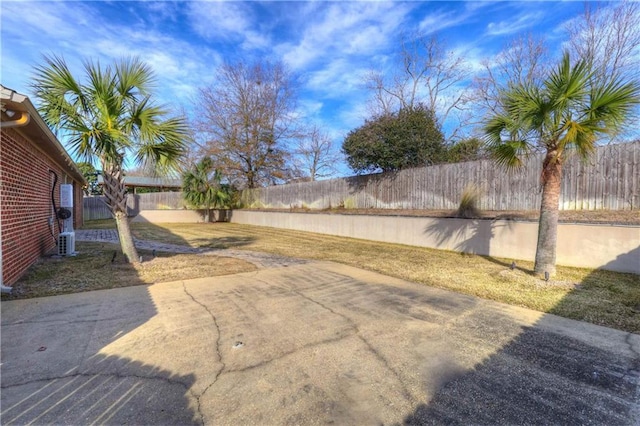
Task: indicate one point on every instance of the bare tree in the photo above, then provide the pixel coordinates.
(608, 38)
(248, 119)
(523, 60)
(425, 73)
(316, 157)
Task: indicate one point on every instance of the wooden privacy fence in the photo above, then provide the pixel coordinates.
(610, 180)
(96, 208)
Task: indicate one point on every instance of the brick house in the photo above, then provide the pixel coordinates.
(33, 165)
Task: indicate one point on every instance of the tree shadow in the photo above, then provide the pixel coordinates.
(626, 262)
(472, 236)
(149, 231)
(55, 369)
(223, 242)
(557, 371)
(376, 190)
(107, 390)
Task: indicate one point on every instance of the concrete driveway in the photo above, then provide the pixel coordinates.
(308, 343)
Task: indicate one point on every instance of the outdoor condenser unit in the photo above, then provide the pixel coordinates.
(67, 238)
(67, 244)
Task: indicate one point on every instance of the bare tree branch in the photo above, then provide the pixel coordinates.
(316, 157)
(248, 118)
(427, 74)
(523, 60)
(609, 39)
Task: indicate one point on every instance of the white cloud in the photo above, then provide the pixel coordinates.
(79, 32)
(353, 28)
(337, 78)
(473, 56)
(311, 108)
(513, 25)
(216, 20)
(441, 20)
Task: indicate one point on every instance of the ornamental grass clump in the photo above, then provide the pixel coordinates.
(468, 207)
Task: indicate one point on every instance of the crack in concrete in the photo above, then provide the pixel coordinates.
(217, 376)
(358, 333)
(286, 354)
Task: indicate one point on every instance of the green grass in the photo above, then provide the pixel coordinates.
(599, 297)
(100, 224)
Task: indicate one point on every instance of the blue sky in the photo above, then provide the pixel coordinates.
(330, 45)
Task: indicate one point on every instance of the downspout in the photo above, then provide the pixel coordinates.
(3, 288)
(23, 120)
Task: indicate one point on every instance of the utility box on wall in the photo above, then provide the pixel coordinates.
(66, 195)
(66, 207)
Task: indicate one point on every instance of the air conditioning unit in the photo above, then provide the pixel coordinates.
(66, 206)
(67, 244)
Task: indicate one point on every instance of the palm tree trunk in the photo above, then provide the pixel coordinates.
(126, 238)
(115, 192)
(549, 212)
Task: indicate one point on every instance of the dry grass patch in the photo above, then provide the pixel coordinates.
(93, 269)
(600, 297)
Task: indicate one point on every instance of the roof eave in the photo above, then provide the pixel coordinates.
(12, 100)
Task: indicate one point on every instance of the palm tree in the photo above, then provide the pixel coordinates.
(565, 110)
(202, 189)
(108, 117)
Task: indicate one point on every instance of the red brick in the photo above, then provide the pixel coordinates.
(25, 203)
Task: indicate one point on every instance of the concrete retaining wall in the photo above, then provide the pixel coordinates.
(179, 216)
(169, 216)
(615, 248)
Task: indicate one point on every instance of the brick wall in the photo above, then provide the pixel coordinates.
(25, 203)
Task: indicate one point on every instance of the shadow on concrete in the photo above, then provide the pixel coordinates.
(54, 370)
(108, 390)
(548, 374)
(215, 215)
(598, 386)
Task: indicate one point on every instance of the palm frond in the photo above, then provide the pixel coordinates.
(567, 85)
(134, 77)
(612, 103)
(201, 186)
(109, 113)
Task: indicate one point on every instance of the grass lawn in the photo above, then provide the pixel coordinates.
(600, 297)
(96, 268)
